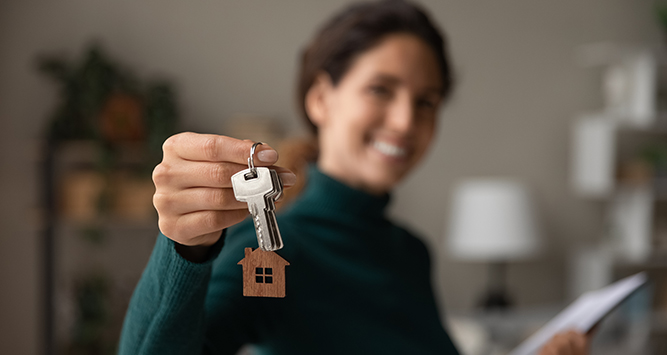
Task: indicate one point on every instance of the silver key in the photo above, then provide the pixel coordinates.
(260, 188)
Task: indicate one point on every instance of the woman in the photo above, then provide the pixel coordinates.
(370, 86)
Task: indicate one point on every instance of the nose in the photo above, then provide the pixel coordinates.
(401, 115)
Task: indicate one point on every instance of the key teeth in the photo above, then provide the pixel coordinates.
(264, 217)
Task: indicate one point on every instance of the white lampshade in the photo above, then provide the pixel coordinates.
(492, 220)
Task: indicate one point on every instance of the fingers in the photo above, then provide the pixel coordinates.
(579, 342)
(193, 196)
(197, 199)
(568, 343)
(197, 228)
(187, 174)
(216, 148)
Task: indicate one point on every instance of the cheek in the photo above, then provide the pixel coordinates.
(358, 116)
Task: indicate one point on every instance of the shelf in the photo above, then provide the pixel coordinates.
(87, 153)
(659, 194)
(660, 129)
(657, 260)
(110, 223)
(659, 321)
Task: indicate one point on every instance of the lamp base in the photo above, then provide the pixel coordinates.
(496, 297)
(495, 300)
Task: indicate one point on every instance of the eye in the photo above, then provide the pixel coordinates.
(426, 103)
(380, 90)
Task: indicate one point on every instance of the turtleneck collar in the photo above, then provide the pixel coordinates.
(328, 194)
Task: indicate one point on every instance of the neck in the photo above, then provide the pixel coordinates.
(332, 171)
(326, 195)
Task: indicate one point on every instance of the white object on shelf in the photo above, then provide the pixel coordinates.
(493, 220)
(590, 268)
(629, 81)
(631, 215)
(593, 150)
(629, 87)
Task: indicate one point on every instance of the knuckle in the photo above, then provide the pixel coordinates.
(180, 231)
(162, 202)
(211, 148)
(166, 226)
(161, 174)
(220, 173)
(217, 198)
(212, 220)
(170, 143)
(243, 147)
(158, 202)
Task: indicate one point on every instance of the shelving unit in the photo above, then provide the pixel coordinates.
(611, 165)
(99, 230)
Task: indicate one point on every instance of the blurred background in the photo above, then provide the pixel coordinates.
(556, 119)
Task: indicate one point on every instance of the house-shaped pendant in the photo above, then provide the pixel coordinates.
(263, 273)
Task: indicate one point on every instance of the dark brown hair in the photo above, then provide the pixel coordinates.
(357, 29)
(347, 35)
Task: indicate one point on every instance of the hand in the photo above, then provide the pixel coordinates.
(193, 190)
(567, 343)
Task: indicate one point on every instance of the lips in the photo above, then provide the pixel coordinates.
(390, 150)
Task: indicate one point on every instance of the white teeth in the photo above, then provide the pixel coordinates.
(389, 149)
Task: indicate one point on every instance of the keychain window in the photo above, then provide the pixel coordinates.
(260, 275)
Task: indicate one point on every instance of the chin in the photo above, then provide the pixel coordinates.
(384, 180)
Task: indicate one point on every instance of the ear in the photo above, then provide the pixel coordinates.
(317, 99)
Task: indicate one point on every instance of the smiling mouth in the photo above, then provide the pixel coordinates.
(390, 149)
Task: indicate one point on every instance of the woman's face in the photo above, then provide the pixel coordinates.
(378, 122)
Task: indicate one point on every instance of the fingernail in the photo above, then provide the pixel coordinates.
(288, 179)
(267, 156)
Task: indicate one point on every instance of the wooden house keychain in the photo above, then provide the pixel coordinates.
(263, 269)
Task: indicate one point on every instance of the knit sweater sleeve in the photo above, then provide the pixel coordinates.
(166, 314)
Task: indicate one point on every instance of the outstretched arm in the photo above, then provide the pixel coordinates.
(195, 203)
(166, 314)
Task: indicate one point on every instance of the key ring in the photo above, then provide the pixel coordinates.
(251, 160)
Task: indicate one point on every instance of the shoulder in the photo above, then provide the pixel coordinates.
(412, 246)
(410, 237)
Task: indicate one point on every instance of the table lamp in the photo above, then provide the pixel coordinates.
(493, 221)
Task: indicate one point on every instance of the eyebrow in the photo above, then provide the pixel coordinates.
(386, 77)
(394, 80)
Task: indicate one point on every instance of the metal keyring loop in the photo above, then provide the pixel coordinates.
(251, 160)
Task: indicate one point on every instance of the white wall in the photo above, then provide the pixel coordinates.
(518, 89)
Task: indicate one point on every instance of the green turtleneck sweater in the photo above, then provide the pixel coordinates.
(356, 284)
